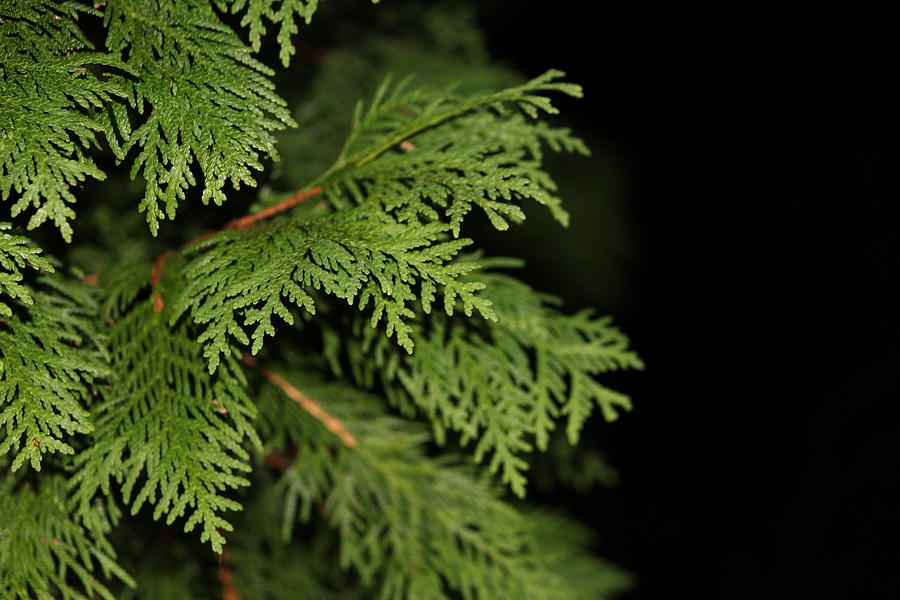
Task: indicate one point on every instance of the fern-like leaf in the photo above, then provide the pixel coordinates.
(501, 385)
(411, 526)
(169, 433)
(201, 97)
(429, 154)
(50, 359)
(17, 253)
(282, 13)
(46, 554)
(362, 256)
(48, 89)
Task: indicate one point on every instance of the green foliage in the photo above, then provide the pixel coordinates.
(411, 526)
(207, 101)
(166, 418)
(441, 47)
(385, 241)
(359, 255)
(16, 253)
(500, 384)
(49, 89)
(418, 150)
(282, 13)
(51, 360)
(122, 382)
(44, 552)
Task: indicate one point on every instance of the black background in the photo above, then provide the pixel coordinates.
(758, 152)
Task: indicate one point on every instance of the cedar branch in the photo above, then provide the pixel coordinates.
(333, 424)
(245, 222)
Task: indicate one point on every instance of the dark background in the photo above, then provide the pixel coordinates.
(750, 153)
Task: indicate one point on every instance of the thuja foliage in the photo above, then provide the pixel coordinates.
(322, 390)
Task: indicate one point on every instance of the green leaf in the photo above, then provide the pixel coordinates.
(502, 385)
(200, 98)
(239, 279)
(50, 361)
(44, 552)
(17, 253)
(282, 13)
(412, 526)
(170, 434)
(429, 154)
(50, 88)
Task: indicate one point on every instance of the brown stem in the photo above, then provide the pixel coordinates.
(226, 579)
(245, 222)
(333, 424)
(155, 274)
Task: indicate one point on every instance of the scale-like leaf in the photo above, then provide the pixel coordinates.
(44, 552)
(200, 98)
(413, 527)
(51, 358)
(169, 433)
(49, 88)
(502, 385)
(239, 279)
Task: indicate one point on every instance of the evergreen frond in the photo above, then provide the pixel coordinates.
(17, 253)
(168, 433)
(431, 154)
(282, 13)
(359, 255)
(201, 97)
(561, 541)
(474, 151)
(48, 89)
(411, 526)
(46, 554)
(50, 362)
(501, 385)
(441, 47)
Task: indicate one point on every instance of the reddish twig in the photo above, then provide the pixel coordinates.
(245, 222)
(226, 579)
(155, 274)
(156, 271)
(333, 424)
